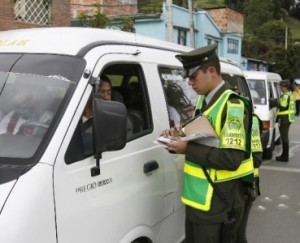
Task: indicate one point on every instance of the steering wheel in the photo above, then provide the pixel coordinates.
(33, 128)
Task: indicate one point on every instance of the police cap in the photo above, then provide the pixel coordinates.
(285, 83)
(195, 59)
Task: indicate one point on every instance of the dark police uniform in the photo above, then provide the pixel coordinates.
(285, 116)
(210, 220)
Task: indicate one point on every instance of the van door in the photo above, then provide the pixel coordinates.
(128, 198)
(274, 94)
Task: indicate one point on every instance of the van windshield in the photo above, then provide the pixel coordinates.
(258, 91)
(28, 105)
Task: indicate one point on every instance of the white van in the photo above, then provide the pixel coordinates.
(265, 92)
(104, 180)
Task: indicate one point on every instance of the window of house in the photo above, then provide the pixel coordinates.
(33, 11)
(129, 88)
(180, 97)
(181, 37)
(233, 46)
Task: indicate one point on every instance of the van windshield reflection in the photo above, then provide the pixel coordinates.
(28, 106)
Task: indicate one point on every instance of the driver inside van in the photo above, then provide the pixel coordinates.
(20, 113)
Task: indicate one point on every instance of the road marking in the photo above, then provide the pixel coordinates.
(297, 142)
(283, 169)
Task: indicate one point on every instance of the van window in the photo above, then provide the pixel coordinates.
(271, 94)
(277, 89)
(258, 91)
(28, 105)
(180, 97)
(129, 88)
(238, 84)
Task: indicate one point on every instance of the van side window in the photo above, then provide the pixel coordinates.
(238, 84)
(128, 80)
(180, 97)
(271, 95)
(129, 88)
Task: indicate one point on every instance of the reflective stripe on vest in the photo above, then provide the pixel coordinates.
(256, 145)
(255, 136)
(291, 106)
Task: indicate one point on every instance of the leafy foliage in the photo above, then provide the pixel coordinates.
(265, 23)
(97, 20)
(150, 6)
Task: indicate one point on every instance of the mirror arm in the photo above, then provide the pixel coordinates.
(96, 169)
(97, 84)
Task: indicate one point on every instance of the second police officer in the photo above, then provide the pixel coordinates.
(285, 116)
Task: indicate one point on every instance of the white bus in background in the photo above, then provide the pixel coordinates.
(265, 92)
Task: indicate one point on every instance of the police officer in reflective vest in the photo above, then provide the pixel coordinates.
(213, 190)
(285, 116)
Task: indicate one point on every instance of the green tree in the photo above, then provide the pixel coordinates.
(257, 13)
(287, 4)
(128, 25)
(256, 48)
(150, 6)
(272, 32)
(97, 20)
(235, 4)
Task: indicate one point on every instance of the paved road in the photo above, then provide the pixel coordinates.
(275, 216)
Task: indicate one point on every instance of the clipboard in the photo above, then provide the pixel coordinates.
(201, 131)
(199, 125)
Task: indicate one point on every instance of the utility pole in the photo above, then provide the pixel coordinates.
(170, 21)
(286, 37)
(192, 28)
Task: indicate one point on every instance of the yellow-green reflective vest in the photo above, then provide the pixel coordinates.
(197, 191)
(283, 101)
(256, 145)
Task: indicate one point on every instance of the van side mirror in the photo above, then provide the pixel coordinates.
(273, 102)
(109, 128)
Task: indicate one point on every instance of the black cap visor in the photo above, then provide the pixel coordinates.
(191, 71)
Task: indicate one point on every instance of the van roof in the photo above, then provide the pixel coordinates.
(261, 75)
(230, 67)
(74, 40)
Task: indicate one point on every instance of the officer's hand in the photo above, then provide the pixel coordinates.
(172, 132)
(176, 146)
